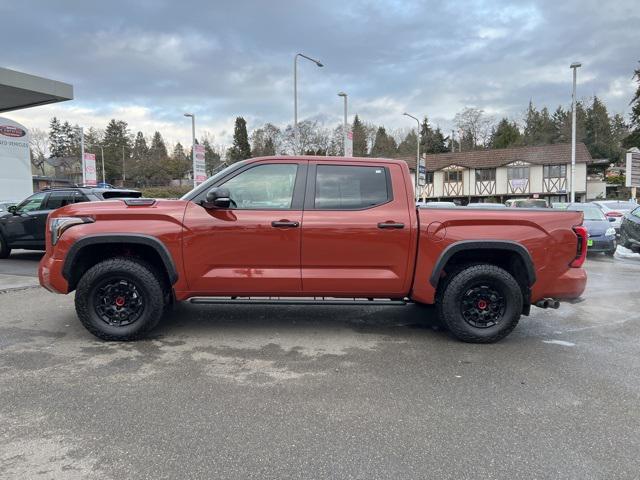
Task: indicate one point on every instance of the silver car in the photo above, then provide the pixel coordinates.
(615, 209)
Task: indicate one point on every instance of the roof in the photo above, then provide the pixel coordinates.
(540, 155)
(21, 90)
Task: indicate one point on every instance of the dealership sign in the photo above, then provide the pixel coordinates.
(15, 161)
(90, 173)
(200, 172)
(632, 172)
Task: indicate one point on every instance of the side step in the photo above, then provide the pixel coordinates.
(296, 301)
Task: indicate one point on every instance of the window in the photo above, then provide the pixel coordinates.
(428, 178)
(486, 175)
(555, 171)
(342, 187)
(452, 176)
(265, 187)
(60, 199)
(34, 202)
(636, 212)
(518, 173)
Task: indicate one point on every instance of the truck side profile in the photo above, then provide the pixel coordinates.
(311, 229)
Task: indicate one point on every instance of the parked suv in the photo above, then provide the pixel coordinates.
(24, 225)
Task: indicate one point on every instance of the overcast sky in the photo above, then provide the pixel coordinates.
(148, 61)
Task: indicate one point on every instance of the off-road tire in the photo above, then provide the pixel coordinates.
(147, 281)
(450, 298)
(5, 250)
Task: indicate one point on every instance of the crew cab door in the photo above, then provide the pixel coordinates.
(357, 231)
(27, 225)
(252, 247)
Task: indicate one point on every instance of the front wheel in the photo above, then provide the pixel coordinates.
(5, 250)
(120, 299)
(481, 304)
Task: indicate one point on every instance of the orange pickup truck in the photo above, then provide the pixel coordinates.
(300, 230)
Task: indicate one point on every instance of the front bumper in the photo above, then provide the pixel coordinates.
(50, 275)
(602, 244)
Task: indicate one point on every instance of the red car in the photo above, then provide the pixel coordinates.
(308, 230)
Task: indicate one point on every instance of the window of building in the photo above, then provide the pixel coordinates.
(518, 173)
(555, 171)
(428, 178)
(452, 176)
(265, 187)
(345, 187)
(486, 175)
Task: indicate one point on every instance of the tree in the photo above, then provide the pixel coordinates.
(359, 138)
(599, 138)
(241, 149)
(407, 146)
(506, 134)
(539, 127)
(633, 139)
(39, 146)
(264, 140)
(178, 164)
(436, 142)
(384, 145)
(158, 158)
(56, 141)
(211, 157)
(141, 169)
(475, 127)
(116, 144)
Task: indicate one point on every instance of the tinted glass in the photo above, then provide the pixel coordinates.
(636, 212)
(61, 199)
(348, 187)
(265, 187)
(34, 202)
(120, 194)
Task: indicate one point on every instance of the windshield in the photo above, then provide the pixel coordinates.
(590, 213)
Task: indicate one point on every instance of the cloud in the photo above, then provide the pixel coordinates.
(148, 62)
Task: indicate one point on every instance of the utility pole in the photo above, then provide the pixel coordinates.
(574, 66)
(193, 146)
(344, 128)
(124, 176)
(84, 173)
(102, 155)
(295, 90)
(453, 147)
(417, 186)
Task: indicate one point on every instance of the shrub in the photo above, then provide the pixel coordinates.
(164, 192)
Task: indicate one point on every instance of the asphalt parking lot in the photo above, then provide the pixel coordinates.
(322, 392)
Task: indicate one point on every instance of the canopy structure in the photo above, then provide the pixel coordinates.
(20, 90)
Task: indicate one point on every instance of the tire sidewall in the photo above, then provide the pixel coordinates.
(495, 277)
(149, 289)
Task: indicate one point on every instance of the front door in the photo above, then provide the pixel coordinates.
(253, 247)
(356, 235)
(27, 226)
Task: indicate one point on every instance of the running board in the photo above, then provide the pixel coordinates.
(295, 301)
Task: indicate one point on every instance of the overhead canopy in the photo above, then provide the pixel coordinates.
(21, 90)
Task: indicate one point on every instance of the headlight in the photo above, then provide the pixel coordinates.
(61, 224)
(610, 231)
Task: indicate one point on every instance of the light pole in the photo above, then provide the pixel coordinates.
(124, 177)
(193, 145)
(295, 88)
(417, 154)
(574, 66)
(344, 128)
(84, 173)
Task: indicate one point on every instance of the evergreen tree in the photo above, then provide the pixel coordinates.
(599, 138)
(178, 165)
(241, 149)
(116, 144)
(407, 147)
(56, 139)
(263, 140)
(436, 142)
(384, 145)
(633, 139)
(539, 127)
(158, 158)
(141, 170)
(359, 138)
(560, 118)
(506, 134)
(211, 157)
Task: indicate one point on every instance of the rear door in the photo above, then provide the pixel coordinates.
(356, 234)
(253, 247)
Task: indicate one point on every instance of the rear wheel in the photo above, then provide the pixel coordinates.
(481, 303)
(5, 251)
(120, 299)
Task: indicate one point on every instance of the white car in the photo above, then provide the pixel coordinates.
(615, 209)
(435, 204)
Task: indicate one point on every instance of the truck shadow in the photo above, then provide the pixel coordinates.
(206, 319)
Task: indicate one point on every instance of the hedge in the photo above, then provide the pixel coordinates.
(164, 192)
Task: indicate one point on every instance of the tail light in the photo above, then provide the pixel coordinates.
(581, 251)
(613, 214)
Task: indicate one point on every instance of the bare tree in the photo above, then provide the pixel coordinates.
(475, 125)
(39, 144)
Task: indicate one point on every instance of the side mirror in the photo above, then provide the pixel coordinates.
(218, 197)
(611, 219)
(13, 209)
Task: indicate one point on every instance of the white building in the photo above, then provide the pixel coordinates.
(497, 175)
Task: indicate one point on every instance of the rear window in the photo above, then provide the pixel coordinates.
(116, 194)
(346, 187)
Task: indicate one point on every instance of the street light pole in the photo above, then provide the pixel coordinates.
(574, 66)
(193, 145)
(84, 173)
(295, 89)
(417, 154)
(344, 128)
(124, 177)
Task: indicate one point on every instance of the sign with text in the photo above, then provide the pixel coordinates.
(15, 161)
(90, 173)
(200, 173)
(632, 172)
(422, 175)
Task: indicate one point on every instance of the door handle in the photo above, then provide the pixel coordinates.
(285, 224)
(390, 225)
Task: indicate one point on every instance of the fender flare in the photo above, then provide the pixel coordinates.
(109, 238)
(463, 245)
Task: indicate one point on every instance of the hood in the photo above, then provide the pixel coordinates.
(122, 208)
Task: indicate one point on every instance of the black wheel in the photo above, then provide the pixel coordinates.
(120, 299)
(480, 303)
(5, 251)
(610, 253)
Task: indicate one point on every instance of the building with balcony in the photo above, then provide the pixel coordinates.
(497, 175)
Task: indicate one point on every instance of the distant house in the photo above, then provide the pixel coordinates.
(497, 175)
